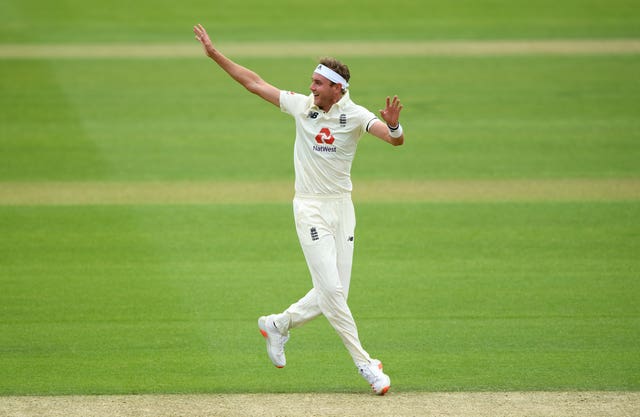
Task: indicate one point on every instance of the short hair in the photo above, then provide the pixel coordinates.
(337, 66)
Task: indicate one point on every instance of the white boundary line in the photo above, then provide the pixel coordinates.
(313, 49)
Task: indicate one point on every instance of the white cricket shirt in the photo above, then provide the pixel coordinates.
(325, 143)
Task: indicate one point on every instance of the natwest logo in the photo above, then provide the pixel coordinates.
(325, 136)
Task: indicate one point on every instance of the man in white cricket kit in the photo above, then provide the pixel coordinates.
(328, 127)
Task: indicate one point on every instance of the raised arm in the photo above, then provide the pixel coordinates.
(390, 131)
(247, 78)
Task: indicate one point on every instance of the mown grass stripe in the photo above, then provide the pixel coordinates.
(347, 48)
(90, 193)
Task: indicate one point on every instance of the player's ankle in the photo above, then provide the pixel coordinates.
(282, 322)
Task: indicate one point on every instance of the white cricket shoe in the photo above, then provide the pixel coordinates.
(372, 372)
(275, 340)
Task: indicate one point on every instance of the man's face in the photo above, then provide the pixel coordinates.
(325, 93)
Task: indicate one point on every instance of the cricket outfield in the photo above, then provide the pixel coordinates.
(145, 216)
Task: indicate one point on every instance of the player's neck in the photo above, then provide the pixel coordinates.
(327, 106)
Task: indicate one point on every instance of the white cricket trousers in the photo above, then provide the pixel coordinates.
(325, 227)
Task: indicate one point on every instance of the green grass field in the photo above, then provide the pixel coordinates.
(453, 296)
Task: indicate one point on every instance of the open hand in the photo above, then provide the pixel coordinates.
(203, 38)
(391, 113)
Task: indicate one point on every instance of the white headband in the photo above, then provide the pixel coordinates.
(331, 75)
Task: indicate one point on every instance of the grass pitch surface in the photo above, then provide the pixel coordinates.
(451, 296)
(24, 21)
(496, 292)
(471, 118)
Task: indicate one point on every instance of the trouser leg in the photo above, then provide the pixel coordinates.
(307, 308)
(344, 237)
(328, 250)
(300, 312)
(331, 297)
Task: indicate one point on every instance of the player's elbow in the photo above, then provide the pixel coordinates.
(397, 141)
(252, 82)
(252, 87)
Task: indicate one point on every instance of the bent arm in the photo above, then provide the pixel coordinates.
(381, 130)
(391, 116)
(244, 76)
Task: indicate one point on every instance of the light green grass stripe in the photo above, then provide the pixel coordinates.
(348, 48)
(88, 193)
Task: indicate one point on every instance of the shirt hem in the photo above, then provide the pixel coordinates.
(333, 196)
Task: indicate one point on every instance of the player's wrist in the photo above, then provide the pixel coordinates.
(395, 131)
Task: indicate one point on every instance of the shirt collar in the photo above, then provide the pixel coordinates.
(340, 105)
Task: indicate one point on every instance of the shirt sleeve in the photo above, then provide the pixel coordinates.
(292, 103)
(367, 119)
(370, 123)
